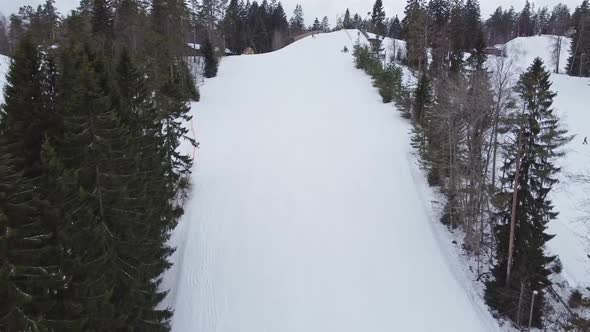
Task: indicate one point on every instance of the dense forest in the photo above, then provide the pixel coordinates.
(92, 181)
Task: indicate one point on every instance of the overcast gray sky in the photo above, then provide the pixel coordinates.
(319, 8)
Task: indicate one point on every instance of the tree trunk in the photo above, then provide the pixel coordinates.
(514, 204)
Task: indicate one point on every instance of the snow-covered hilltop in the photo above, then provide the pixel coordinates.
(308, 211)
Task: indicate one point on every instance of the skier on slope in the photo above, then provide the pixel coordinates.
(585, 140)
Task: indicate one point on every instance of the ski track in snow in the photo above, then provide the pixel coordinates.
(307, 211)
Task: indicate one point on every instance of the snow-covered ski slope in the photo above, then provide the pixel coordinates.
(308, 212)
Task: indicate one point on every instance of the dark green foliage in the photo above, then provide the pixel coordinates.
(472, 21)
(263, 27)
(26, 115)
(316, 25)
(389, 82)
(415, 29)
(211, 62)
(233, 27)
(395, 28)
(501, 26)
(91, 179)
(347, 21)
(457, 40)
(378, 19)
(4, 37)
(478, 55)
(388, 79)
(525, 21)
(297, 22)
(439, 12)
(325, 25)
(422, 99)
(30, 275)
(102, 18)
(540, 138)
(579, 60)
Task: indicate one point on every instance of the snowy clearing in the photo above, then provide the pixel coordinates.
(308, 211)
(4, 65)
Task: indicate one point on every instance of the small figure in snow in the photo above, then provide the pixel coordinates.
(345, 49)
(585, 140)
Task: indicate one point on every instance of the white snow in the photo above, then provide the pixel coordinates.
(523, 50)
(308, 212)
(572, 229)
(4, 66)
(391, 46)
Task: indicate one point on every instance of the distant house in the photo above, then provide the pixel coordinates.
(248, 51)
(496, 50)
(193, 49)
(375, 42)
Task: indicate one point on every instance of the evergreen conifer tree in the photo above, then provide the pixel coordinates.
(102, 23)
(525, 20)
(325, 25)
(395, 28)
(472, 22)
(297, 22)
(378, 19)
(415, 32)
(31, 278)
(316, 25)
(25, 117)
(347, 20)
(279, 27)
(579, 60)
(457, 39)
(530, 170)
(211, 62)
(233, 27)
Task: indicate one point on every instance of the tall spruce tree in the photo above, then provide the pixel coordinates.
(297, 22)
(457, 39)
(25, 117)
(472, 22)
(211, 62)
(378, 19)
(357, 22)
(439, 14)
(316, 25)
(347, 20)
(4, 39)
(102, 23)
(416, 34)
(530, 174)
(148, 204)
(579, 60)
(525, 21)
(325, 25)
(395, 28)
(233, 27)
(279, 27)
(31, 278)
